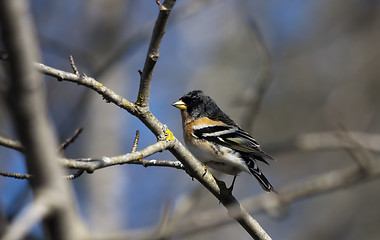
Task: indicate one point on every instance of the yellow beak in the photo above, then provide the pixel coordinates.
(180, 105)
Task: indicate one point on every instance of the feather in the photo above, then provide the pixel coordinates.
(254, 169)
(231, 137)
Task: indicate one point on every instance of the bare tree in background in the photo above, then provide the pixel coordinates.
(314, 103)
(29, 119)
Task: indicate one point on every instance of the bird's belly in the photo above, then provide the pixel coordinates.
(218, 157)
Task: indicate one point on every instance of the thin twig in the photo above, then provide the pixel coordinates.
(153, 52)
(107, 94)
(16, 175)
(77, 174)
(15, 145)
(76, 72)
(138, 160)
(18, 146)
(158, 163)
(264, 77)
(92, 164)
(136, 39)
(70, 140)
(136, 141)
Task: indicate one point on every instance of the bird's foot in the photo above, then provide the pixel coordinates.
(232, 185)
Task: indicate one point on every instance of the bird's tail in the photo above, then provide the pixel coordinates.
(264, 183)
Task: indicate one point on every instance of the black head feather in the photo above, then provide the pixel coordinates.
(199, 105)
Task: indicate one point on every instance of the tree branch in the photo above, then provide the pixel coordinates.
(270, 203)
(35, 213)
(70, 140)
(136, 141)
(325, 140)
(15, 175)
(275, 204)
(92, 164)
(153, 52)
(26, 102)
(183, 11)
(141, 111)
(219, 190)
(77, 174)
(264, 78)
(192, 165)
(15, 145)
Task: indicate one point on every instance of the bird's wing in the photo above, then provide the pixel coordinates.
(232, 137)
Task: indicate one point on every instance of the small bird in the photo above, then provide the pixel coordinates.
(217, 141)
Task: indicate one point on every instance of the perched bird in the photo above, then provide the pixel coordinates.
(217, 141)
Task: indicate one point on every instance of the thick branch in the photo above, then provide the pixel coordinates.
(26, 102)
(35, 213)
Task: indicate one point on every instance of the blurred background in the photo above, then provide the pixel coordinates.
(314, 65)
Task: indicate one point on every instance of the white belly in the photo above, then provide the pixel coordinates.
(218, 157)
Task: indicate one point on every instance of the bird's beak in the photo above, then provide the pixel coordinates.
(180, 105)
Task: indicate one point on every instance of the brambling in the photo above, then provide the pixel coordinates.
(217, 141)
